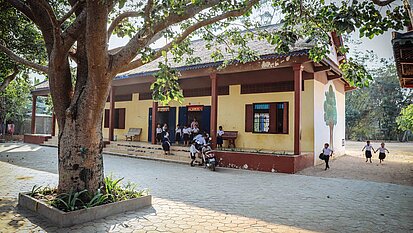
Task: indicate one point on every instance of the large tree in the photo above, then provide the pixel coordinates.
(371, 112)
(79, 30)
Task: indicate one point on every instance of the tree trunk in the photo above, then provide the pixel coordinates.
(81, 144)
(331, 126)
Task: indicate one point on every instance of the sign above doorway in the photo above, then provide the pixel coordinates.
(195, 108)
(163, 109)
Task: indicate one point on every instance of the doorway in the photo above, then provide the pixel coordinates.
(163, 115)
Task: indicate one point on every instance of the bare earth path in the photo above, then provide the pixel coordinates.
(396, 169)
(189, 199)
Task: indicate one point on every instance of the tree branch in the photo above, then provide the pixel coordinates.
(8, 79)
(145, 35)
(120, 18)
(382, 3)
(234, 13)
(45, 5)
(147, 16)
(70, 35)
(23, 61)
(22, 7)
(68, 14)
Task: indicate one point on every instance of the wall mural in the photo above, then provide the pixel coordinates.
(330, 112)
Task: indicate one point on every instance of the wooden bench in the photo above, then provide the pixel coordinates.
(230, 136)
(134, 134)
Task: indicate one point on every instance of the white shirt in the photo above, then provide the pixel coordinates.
(195, 130)
(382, 149)
(200, 139)
(158, 130)
(186, 130)
(220, 132)
(327, 151)
(193, 149)
(368, 147)
(178, 130)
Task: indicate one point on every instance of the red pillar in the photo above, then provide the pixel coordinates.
(53, 124)
(111, 113)
(298, 78)
(154, 109)
(214, 108)
(33, 126)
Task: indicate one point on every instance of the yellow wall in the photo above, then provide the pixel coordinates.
(231, 115)
(136, 116)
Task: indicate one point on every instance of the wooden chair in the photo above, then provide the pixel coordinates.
(231, 136)
(134, 134)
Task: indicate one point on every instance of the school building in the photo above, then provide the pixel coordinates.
(283, 107)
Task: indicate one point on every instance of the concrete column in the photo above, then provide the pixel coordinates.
(33, 125)
(214, 108)
(111, 113)
(298, 78)
(154, 110)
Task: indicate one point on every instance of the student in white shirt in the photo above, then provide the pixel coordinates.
(192, 152)
(186, 131)
(159, 134)
(178, 134)
(220, 141)
(368, 149)
(327, 154)
(382, 154)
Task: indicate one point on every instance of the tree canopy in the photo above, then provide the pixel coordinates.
(22, 37)
(371, 112)
(405, 120)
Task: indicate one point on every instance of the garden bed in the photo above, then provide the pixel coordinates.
(75, 207)
(66, 219)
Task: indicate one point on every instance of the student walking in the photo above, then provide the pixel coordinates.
(368, 149)
(327, 152)
(382, 150)
(166, 144)
(192, 152)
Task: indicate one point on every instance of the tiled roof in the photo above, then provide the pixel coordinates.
(42, 85)
(264, 49)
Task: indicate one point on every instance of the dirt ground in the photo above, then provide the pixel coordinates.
(396, 169)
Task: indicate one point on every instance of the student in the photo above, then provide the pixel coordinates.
(165, 127)
(194, 124)
(166, 144)
(186, 131)
(178, 134)
(327, 154)
(159, 134)
(220, 141)
(192, 152)
(382, 154)
(368, 148)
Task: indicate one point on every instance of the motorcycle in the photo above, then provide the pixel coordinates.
(208, 157)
